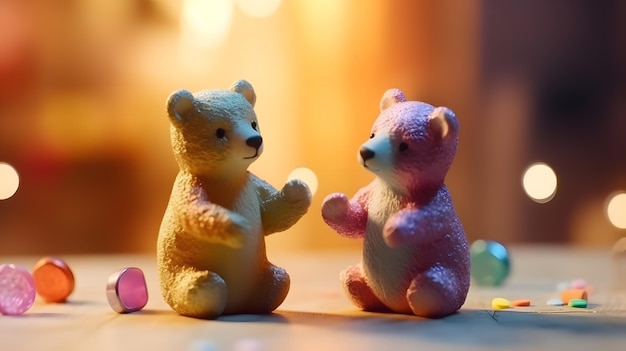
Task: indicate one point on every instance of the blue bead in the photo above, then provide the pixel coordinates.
(490, 263)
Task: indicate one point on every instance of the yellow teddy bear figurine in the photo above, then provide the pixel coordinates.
(211, 247)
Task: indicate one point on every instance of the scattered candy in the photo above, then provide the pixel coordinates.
(578, 284)
(573, 284)
(578, 303)
(555, 302)
(500, 303)
(567, 295)
(489, 262)
(127, 291)
(17, 290)
(54, 280)
(520, 303)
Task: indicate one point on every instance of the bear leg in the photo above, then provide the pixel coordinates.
(198, 294)
(436, 293)
(272, 290)
(359, 291)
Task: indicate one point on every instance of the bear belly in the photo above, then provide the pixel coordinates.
(389, 270)
(240, 267)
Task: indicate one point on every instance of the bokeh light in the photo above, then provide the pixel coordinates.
(616, 209)
(540, 182)
(258, 8)
(9, 181)
(307, 176)
(206, 24)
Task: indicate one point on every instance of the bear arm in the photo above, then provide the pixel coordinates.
(348, 218)
(213, 223)
(280, 210)
(418, 225)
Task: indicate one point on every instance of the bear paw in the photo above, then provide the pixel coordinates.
(335, 206)
(296, 190)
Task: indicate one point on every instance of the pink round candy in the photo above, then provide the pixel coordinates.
(579, 284)
(127, 291)
(17, 290)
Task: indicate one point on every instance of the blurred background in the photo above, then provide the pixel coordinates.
(84, 133)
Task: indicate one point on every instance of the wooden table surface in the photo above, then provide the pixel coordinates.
(317, 316)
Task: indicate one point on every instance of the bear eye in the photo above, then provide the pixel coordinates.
(403, 146)
(372, 136)
(254, 125)
(220, 133)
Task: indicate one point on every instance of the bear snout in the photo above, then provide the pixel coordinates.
(255, 141)
(366, 154)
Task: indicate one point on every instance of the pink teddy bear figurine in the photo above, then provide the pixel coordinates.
(415, 252)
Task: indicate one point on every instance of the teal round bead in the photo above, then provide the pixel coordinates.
(490, 264)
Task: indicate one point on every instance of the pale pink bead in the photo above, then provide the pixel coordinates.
(17, 290)
(579, 284)
(127, 291)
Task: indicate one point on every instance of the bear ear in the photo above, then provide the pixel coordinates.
(442, 122)
(244, 88)
(390, 97)
(179, 104)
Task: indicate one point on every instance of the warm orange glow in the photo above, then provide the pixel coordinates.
(94, 90)
(206, 23)
(258, 8)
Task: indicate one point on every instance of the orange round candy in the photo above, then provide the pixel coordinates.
(520, 303)
(54, 279)
(571, 294)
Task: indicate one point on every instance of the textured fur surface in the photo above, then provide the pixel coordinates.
(415, 252)
(211, 247)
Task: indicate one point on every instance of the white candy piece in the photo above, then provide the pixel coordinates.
(555, 302)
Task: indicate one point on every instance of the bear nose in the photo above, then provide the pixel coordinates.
(366, 153)
(254, 141)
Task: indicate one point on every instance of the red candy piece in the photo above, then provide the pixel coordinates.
(17, 290)
(127, 291)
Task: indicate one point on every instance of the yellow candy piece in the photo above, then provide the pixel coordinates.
(500, 303)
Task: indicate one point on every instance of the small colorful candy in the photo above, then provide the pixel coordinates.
(577, 303)
(520, 303)
(54, 279)
(500, 303)
(579, 284)
(17, 290)
(127, 291)
(490, 262)
(571, 294)
(555, 302)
